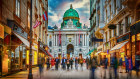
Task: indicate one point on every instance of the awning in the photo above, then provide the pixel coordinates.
(26, 42)
(91, 51)
(49, 53)
(118, 46)
(98, 52)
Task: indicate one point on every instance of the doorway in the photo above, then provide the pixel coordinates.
(70, 50)
(80, 55)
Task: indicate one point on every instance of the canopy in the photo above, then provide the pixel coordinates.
(91, 51)
(26, 42)
(118, 46)
(49, 54)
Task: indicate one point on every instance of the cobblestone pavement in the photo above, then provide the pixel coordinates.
(71, 74)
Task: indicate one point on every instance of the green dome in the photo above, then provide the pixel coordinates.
(71, 13)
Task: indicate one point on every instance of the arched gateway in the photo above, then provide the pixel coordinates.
(70, 50)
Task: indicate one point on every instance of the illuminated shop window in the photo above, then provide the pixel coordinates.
(133, 38)
(138, 37)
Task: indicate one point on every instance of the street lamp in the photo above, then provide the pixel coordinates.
(30, 75)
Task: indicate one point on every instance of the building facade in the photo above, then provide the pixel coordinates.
(14, 34)
(72, 40)
(113, 21)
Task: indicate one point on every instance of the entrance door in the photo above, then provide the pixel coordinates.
(80, 55)
(70, 50)
(59, 56)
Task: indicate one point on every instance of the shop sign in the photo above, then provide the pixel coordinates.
(135, 29)
(123, 38)
(13, 25)
(1, 31)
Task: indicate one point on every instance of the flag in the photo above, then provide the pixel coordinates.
(59, 37)
(37, 24)
(45, 16)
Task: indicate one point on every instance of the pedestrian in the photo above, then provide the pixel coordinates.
(68, 63)
(126, 64)
(130, 66)
(76, 63)
(87, 62)
(71, 62)
(137, 62)
(115, 65)
(63, 63)
(93, 66)
(48, 63)
(57, 61)
(105, 63)
(41, 62)
(81, 62)
(52, 63)
(120, 64)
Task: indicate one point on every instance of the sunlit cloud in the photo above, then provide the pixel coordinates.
(58, 7)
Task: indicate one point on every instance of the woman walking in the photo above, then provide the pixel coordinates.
(52, 63)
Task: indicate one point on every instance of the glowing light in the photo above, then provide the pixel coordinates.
(27, 57)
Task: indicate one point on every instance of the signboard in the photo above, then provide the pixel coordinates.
(123, 38)
(1, 31)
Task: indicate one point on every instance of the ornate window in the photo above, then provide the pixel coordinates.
(17, 8)
(50, 43)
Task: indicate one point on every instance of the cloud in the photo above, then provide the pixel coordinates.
(58, 7)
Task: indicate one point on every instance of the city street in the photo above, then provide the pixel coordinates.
(71, 74)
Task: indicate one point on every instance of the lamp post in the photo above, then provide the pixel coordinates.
(30, 75)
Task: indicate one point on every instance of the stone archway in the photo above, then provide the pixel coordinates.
(70, 50)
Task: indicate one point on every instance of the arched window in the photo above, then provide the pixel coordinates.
(50, 43)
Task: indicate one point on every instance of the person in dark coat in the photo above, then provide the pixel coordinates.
(87, 62)
(48, 63)
(68, 63)
(57, 61)
(120, 64)
(93, 66)
(115, 65)
(63, 63)
(71, 62)
(126, 64)
(105, 63)
(137, 62)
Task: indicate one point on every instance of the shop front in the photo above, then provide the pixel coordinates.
(5, 34)
(122, 48)
(42, 52)
(18, 47)
(135, 41)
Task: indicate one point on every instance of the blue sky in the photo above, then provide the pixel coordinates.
(57, 8)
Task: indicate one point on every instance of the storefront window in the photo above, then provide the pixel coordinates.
(138, 37)
(17, 57)
(133, 38)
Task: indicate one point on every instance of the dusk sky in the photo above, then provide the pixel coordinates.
(57, 9)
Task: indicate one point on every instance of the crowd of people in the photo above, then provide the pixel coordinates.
(91, 64)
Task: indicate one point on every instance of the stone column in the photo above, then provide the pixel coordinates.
(56, 40)
(83, 39)
(117, 30)
(108, 35)
(77, 39)
(112, 33)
